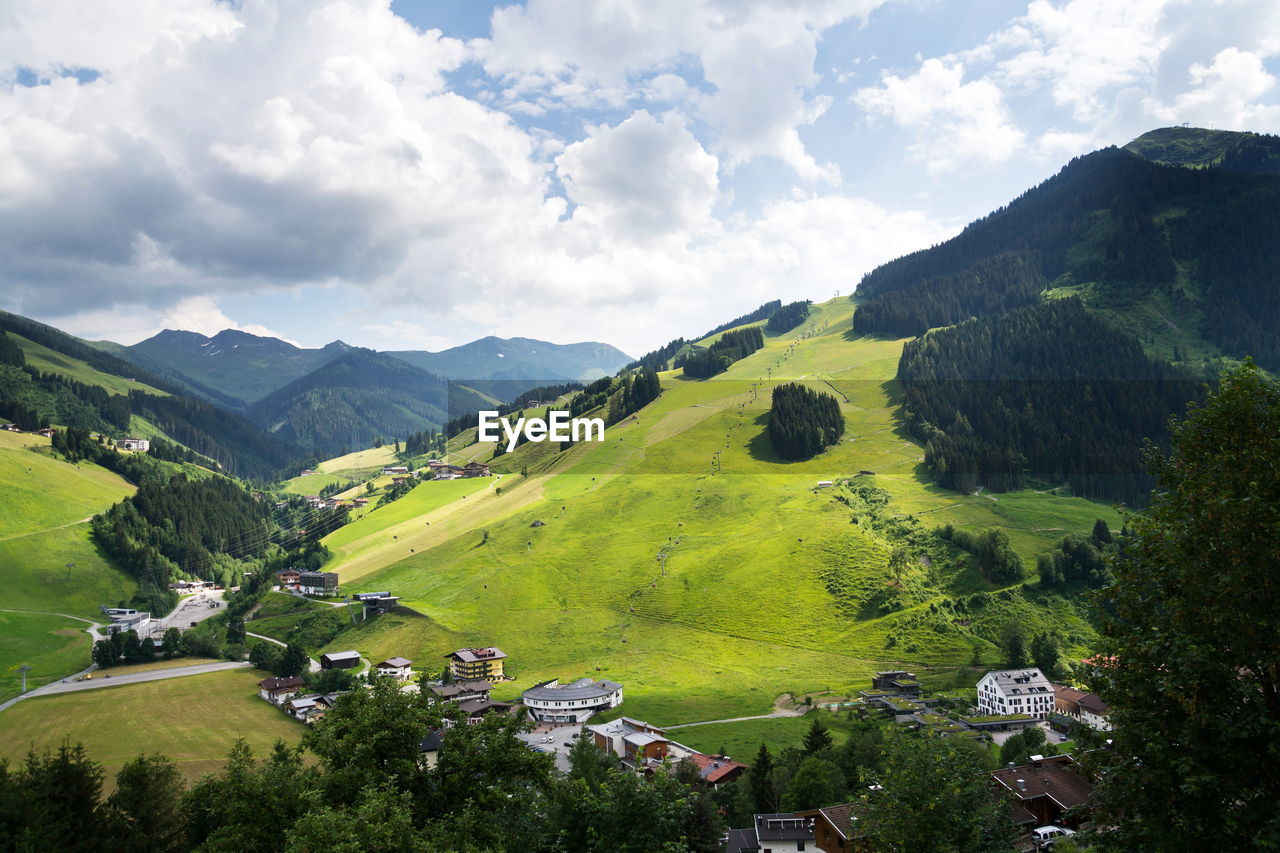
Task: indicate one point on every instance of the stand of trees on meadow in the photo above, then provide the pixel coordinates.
(803, 422)
(728, 348)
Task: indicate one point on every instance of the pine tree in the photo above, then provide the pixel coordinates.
(817, 738)
(760, 781)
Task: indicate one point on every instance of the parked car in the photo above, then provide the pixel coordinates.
(1045, 837)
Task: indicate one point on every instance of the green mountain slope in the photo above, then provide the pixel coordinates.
(770, 584)
(357, 397)
(506, 366)
(241, 366)
(1196, 146)
(64, 380)
(48, 565)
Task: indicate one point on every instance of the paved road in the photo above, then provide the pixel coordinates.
(70, 685)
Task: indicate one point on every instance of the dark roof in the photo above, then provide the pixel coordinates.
(1093, 703)
(783, 827)
(473, 655)
(460, 688)
(347, 655)
(1068, 694)
(1056, 777)
(1021, 816)
(583, 688)
(270, 684)
(842, 818)
(741, 841)
(430, 743)
(482, 706)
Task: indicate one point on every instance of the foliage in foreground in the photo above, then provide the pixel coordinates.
(1190, 664)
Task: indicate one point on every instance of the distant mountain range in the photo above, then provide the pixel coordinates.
(359, 396)
(236, 369)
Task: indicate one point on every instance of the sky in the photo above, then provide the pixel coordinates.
(420, 173)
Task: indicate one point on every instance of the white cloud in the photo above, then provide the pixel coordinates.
(956, 123)
(643, 179)
(1225, 95)
(1079, 49)
(201, 314)
(233, 149)
(757, 61)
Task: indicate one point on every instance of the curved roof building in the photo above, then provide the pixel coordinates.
(576, 702)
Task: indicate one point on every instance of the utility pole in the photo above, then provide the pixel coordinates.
(70, 566)
(24, 669)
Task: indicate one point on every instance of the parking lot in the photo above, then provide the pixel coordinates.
(197, 608)
(557, 740)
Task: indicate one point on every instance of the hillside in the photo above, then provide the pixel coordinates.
(770, 585)
(58, 378)
(360, 396)
(504, 367)
(1195, 146)
(48, 565)
(239, 365)
(1185, 259)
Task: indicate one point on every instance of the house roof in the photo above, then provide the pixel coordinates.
(741, 841)
(475, 655)
(714, 768)
(1056, 777)
(347, 655)
(642, 739)
(448, 691)
(270, 684)
(1068, 694)
(583, 688)
(1020, 682)
(395, 663)
(842, 818)
(783, 827)
(1093, 703)
(430, 743)
(472, 707)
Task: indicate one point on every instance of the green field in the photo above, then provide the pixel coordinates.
(53, 646)
(52, 361)
(41, 491)
(193, 720)
(741, 740)
(744, 611)
(47, 562)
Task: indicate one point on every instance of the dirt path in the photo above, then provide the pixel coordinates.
(46, 530)
(778, 712)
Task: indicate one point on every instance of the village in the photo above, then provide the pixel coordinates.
(1048, 793)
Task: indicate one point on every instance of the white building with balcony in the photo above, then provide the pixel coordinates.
(553, 702)
(1016, 691)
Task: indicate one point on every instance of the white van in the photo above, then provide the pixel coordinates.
(1045, 837)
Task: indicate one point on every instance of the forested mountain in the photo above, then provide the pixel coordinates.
(504, 367)
(237, 446)
(360, 396)
(1171, 248)
(240, 366)
(1131, 236)
(1052, 391)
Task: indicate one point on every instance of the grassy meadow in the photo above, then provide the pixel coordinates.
(53, 646)
(194, 720)
(744, 609)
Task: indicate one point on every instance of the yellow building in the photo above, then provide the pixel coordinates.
(473, 664)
